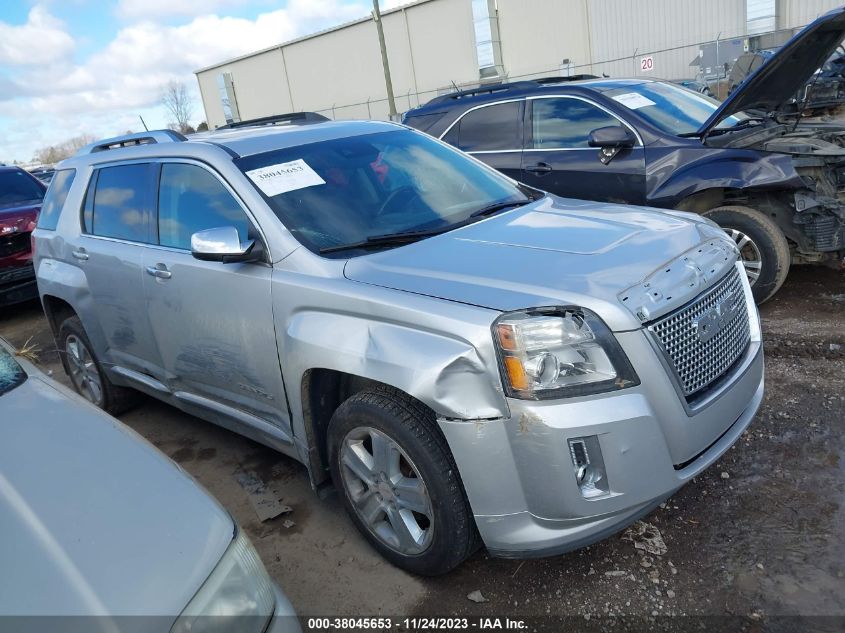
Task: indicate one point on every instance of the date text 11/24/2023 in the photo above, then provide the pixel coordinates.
(415, 624)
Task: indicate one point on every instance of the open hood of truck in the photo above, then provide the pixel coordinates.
(778, 80)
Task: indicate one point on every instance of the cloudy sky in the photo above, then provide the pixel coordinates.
(71, 67)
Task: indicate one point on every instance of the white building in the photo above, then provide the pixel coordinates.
(434, 45)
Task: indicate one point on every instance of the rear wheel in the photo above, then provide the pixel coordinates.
(85, 371)
(399, 482)
(762, 247)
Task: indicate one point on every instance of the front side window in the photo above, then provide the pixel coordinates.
(57, 192)
(346, 190)
(491, 128)
(566, 123)
(191, 199)
(11, 374)
(18, 188)
(118, 203)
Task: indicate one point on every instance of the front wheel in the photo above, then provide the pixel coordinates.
(762, 247)
(399, 482)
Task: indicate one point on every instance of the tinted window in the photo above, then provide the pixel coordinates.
(11, 374)
(566, 122)
(18, 187)
(495, 127)
(121, 203)
(344, 190)
(671, 108)
(55, 199)
(191, 199)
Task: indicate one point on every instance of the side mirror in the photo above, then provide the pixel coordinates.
(611, 140)
(221, 245)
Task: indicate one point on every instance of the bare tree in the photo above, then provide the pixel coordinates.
(175, 99)
(55, 153)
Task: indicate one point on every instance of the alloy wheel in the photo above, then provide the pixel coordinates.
(387, 490)
(752, 261)
(83, 370)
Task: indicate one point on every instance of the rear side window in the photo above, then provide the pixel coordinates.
(566, 123)
(118, 203)
(491, 128)
(57, 192)
(191, 199)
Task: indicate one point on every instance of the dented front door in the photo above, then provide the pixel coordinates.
(213, 322)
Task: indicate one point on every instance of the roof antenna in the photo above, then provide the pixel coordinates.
(455, 86)
(146, 129)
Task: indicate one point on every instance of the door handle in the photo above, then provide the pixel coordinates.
(539, 168)
(80, 253)
(159, 271)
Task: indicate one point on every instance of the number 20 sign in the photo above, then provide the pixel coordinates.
(647, 64)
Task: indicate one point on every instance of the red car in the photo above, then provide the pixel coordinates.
(21, 196)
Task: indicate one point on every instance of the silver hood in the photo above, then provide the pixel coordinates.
(94, 520)
(554, 252)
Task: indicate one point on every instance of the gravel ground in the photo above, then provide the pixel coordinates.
(760, 535)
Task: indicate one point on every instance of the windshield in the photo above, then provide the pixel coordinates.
(11, 374)
(671, 108)
(347, 190)
(18, 187)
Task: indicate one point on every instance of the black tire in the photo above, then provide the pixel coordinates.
(114, 399)
(768, 240)
(413, 428)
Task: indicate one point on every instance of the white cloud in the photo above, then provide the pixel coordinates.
(42, 40)
(152, 9)
(102, 94)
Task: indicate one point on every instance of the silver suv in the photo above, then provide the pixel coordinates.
(466, 359)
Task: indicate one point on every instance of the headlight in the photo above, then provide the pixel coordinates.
(559, 352)
(238, 589)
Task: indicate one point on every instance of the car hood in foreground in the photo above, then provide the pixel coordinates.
(779, 79)
(94, 520)
(554, 252)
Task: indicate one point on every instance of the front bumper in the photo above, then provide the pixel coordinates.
(519, 476)
(17, 284)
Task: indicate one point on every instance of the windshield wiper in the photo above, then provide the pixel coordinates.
(498, 206)
(398, 239)
(374, 241)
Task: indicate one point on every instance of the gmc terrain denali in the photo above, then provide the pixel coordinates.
(462, 356)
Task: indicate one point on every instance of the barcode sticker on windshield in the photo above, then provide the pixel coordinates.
(633, 100)
(284, 177)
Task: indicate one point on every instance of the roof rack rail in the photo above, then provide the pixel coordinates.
(292, 118)
(131, 140)
(503, 87)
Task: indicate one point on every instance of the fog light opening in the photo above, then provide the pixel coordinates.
(588, 465)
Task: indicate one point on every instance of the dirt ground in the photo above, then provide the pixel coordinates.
(760, 535)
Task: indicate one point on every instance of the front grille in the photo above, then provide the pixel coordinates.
(14, 244)
(697, 362)
(10, 276)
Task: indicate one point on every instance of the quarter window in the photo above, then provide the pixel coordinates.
(566, 123)
(491, 128)
(191, 199)
(57, 192)
(120, 205)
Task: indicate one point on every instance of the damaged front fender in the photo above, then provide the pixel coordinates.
(679, 174)
(446, 373)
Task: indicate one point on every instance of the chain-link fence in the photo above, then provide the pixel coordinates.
(710, 63)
